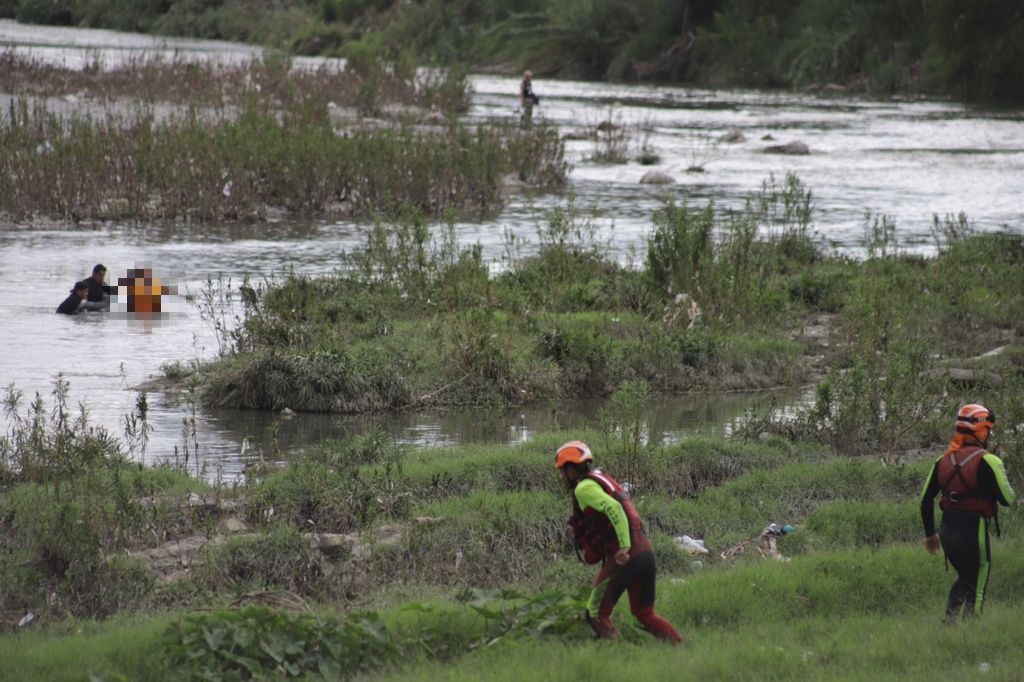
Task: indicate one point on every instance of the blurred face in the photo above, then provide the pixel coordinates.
(984, 433)
(98, 276)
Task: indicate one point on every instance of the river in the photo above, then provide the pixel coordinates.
(905, 159)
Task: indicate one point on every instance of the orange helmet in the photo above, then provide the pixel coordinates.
(573, 452)
(975, 419)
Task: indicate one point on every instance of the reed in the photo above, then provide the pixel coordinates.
(133, 166)
(220, 86)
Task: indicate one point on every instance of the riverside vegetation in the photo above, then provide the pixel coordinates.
(456, 564)
(415, 320)
(479, 569)
(207, 142)
(963, 50)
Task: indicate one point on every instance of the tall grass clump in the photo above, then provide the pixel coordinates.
(218, 87)
(885, 389)
(730, 268)
(724, 300)
(70, 503)
(189, 168)
(916, 337)
(428, 324)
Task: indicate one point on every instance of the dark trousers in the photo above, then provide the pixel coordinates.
(638, 578)
(964, 537)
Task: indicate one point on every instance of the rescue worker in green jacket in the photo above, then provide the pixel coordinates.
(608, 529)
(972, 482)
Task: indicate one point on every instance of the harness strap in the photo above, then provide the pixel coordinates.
(958, 472)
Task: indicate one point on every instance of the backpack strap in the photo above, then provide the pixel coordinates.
(958, 467)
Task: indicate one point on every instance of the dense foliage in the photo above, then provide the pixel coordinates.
(966, 50)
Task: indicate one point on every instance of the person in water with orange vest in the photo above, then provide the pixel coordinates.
(972, 481)
(607, 529)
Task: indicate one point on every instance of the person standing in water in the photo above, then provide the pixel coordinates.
(527, 99)
(75, 302)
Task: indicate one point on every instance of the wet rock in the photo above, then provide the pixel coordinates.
(333, 544)
(732, 136)
(965, 377)
(359, 544)
(578, 135)
(234, 525)
(175, 559)
(794, 148)
(656, 178)
(208, 503)
(512, 182)
(648, 158)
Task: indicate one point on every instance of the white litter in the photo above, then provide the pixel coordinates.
(692, 546)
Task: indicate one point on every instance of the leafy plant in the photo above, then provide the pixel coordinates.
(256, 641)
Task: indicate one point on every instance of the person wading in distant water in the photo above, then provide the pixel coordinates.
(99, 293)
(607, 528)
(75, 302)
(527, 100)
(972, 481)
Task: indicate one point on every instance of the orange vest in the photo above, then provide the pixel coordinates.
(958, 478)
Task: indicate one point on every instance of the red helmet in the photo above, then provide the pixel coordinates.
(573, 452)
(975, 419)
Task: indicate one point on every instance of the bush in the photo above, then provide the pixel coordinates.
(282, 559)
(242, 645)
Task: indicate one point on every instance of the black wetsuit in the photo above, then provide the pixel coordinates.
(964, 535)
(98, 291)
(70, 305)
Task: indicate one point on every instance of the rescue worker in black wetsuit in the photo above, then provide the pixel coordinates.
(608, 529)
(972, 482)
(98, 291)
(75, 302)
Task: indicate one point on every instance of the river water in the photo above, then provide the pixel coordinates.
(904, 159)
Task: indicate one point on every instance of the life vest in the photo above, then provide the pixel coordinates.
(958, 479)
(593, 534)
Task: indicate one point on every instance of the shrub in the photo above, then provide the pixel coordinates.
(242, 645)
(282, 559)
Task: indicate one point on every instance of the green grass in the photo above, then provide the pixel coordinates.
(844, 614)
(908, 647)
(75, 649)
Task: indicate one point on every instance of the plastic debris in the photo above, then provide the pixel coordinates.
(764, 543)
(692, 546)
(26, 619)
(777, 530)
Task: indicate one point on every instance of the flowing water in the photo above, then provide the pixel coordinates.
(908, 160)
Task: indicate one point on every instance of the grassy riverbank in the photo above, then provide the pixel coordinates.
(461, 560)
(903, 641)
(941, 48)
